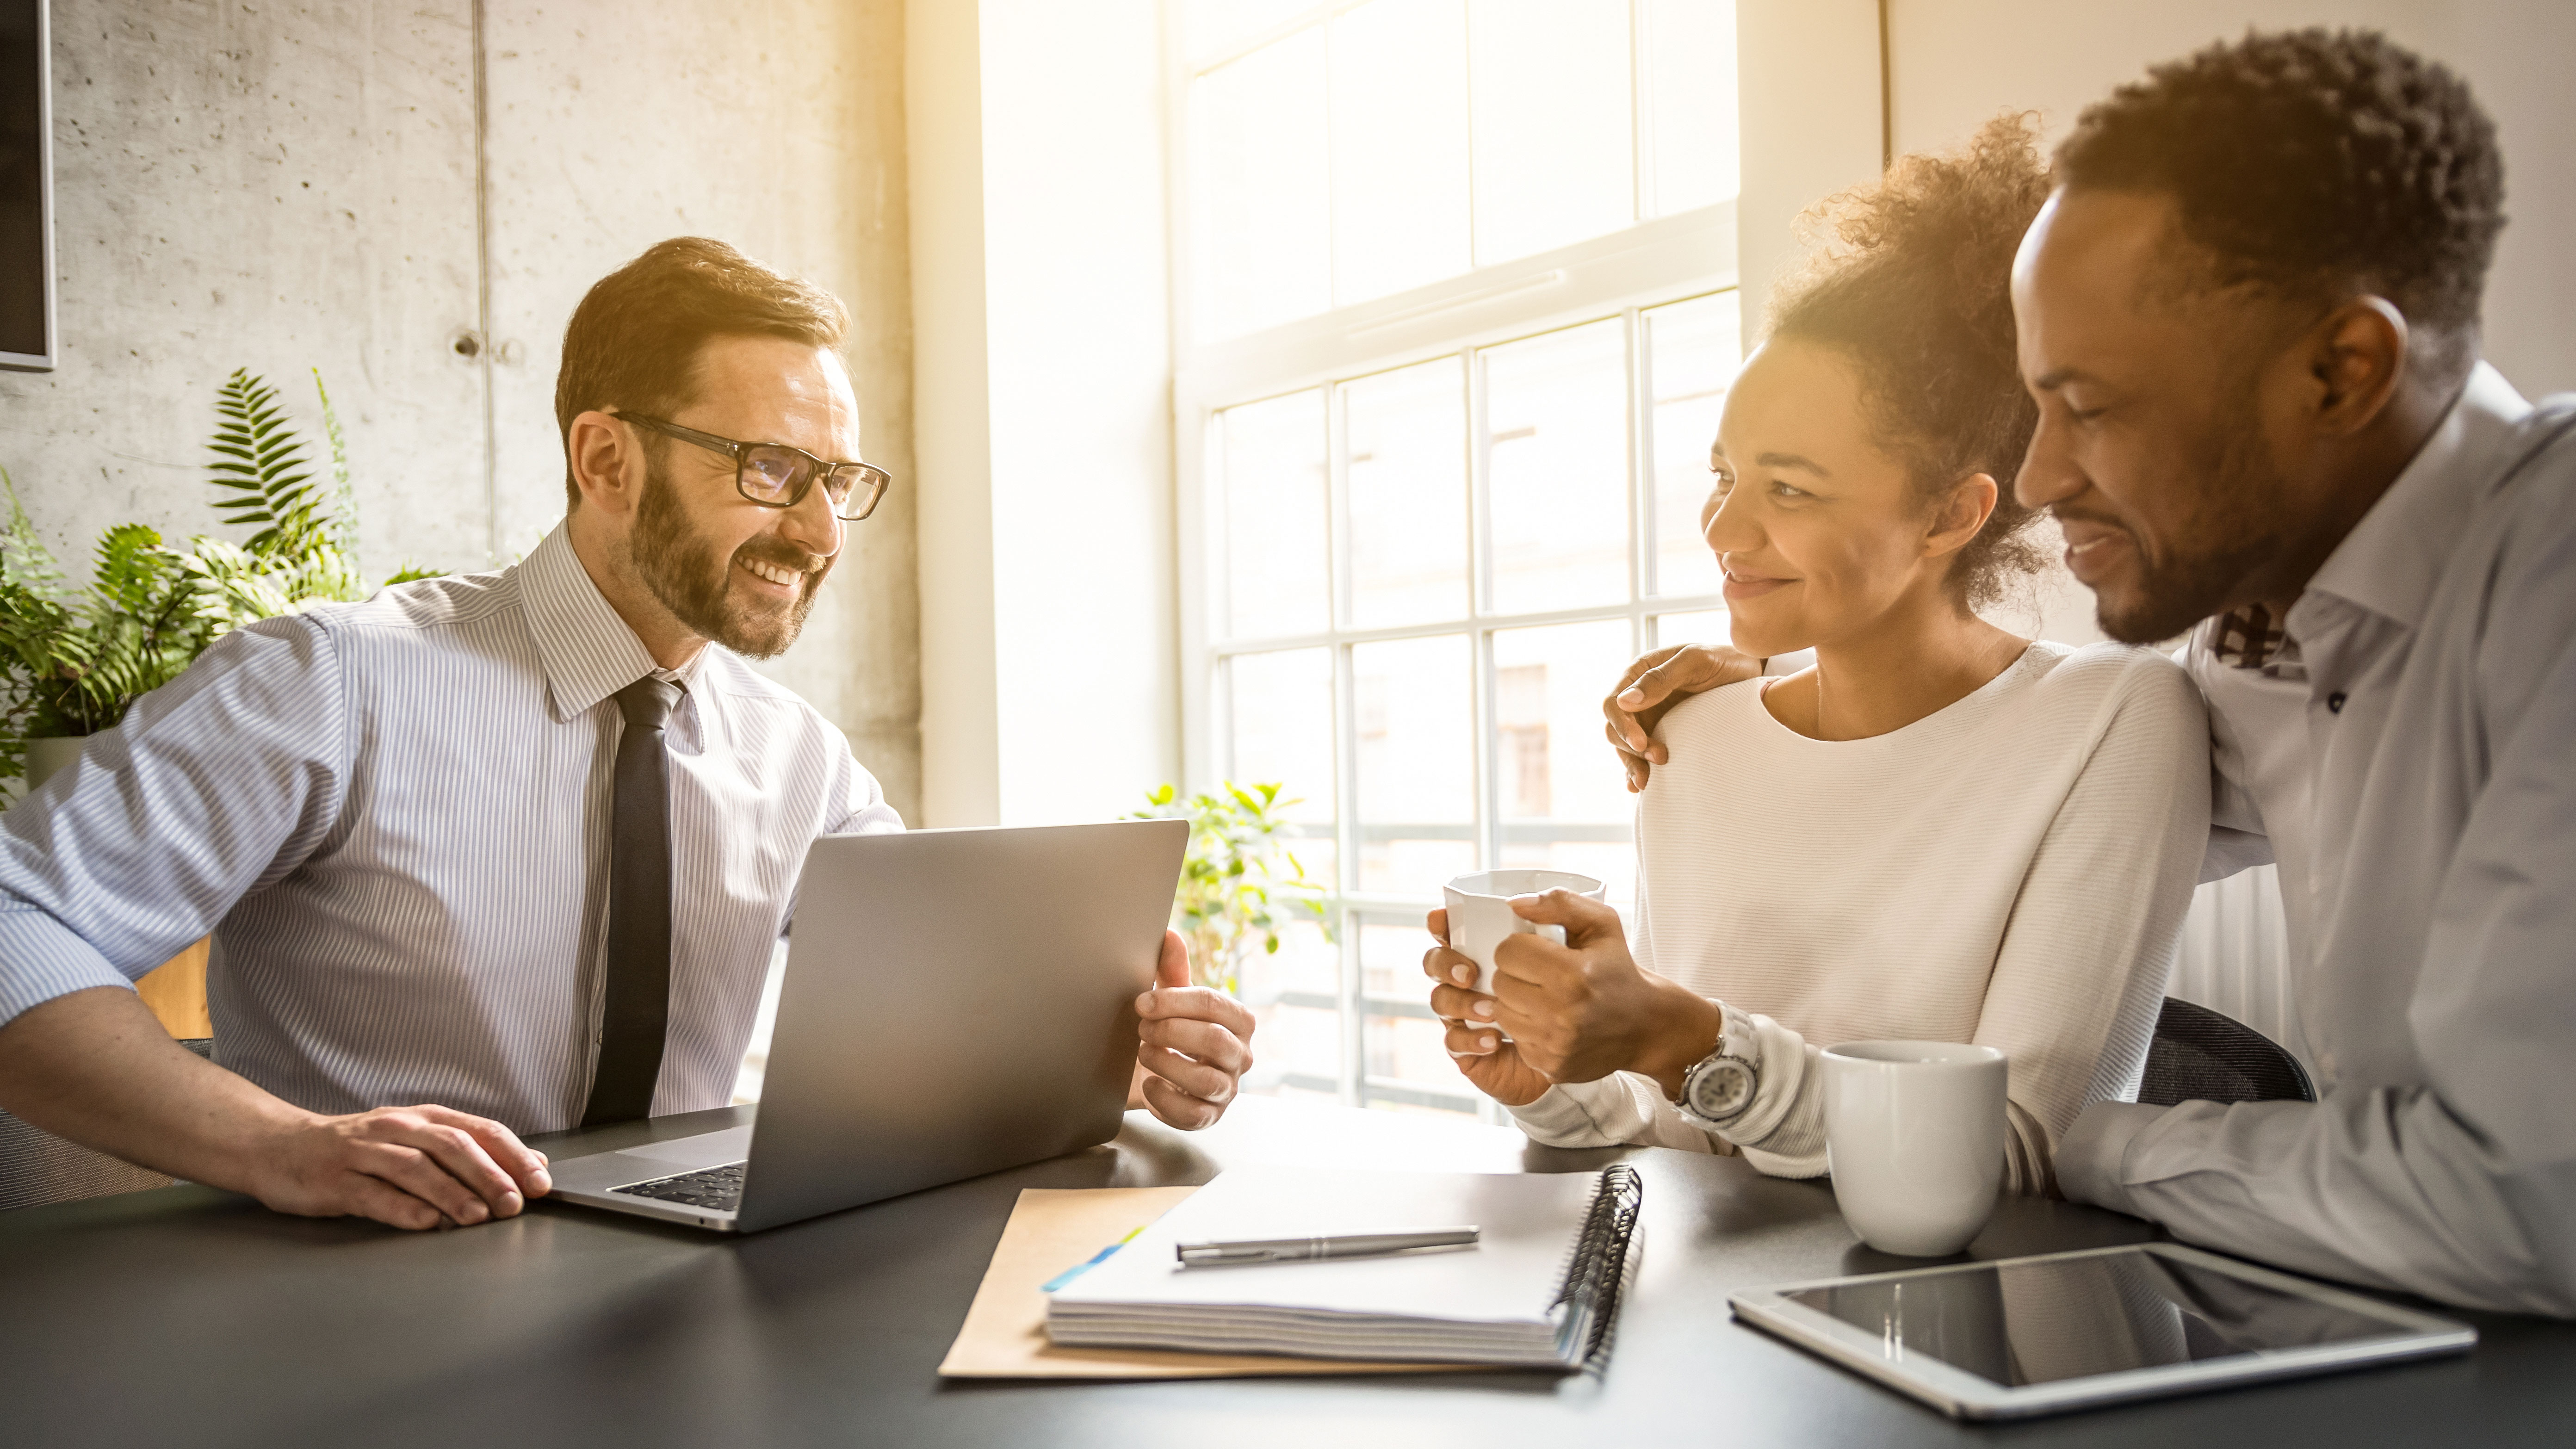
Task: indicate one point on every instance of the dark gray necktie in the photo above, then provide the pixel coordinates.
(639, 911)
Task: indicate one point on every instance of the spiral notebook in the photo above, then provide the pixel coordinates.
(1539, 1290)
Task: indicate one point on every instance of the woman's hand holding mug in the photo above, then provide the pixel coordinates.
(1574, 1012)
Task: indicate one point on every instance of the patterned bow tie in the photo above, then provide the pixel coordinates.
(2247, 638)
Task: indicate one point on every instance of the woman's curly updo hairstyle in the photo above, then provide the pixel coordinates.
(1912, 285)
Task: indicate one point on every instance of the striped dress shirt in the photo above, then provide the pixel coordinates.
(395, 818)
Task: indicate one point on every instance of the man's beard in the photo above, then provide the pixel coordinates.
(2229, 534)
(679, 566)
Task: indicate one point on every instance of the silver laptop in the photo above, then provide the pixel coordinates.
(956, 1002)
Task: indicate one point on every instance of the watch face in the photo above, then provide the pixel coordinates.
(1720, 1089)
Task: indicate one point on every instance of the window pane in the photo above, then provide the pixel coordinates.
(1407, 435)
(1554, 150)
(1687, 52)
(1563, 799)
(1694, 349)
(1399, 147)
(1556, 414)
(1391, 958)
(1282, 709)
(1414, 1050)
(1706, 626)
(1551, 761)
(1304, 962)
(1303, 1040)
(1277, 579)
(1216, 26)
(1416, 764)
(1261, 181)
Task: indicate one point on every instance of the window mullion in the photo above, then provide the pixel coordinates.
(1641, 493)
(1346, 873)
(1641, 180)
(1480, 460)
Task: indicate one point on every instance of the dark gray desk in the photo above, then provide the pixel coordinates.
(188, 1316)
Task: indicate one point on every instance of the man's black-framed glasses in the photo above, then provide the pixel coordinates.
(775, 475)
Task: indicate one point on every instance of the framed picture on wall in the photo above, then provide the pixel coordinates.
(28, 339)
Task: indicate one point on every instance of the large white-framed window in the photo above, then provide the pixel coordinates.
(1454, 310)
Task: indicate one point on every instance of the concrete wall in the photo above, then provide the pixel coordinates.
(283, 189)
(296, 185)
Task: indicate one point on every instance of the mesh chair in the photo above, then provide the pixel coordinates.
(2200, 1055)
(37, 1167)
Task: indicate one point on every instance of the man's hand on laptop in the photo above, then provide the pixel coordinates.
(411, 1167)
(1192, 1045)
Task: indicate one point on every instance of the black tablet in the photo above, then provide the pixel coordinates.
(2029, 1336)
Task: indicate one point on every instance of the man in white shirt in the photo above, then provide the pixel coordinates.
(516, 846)
(2250, 316)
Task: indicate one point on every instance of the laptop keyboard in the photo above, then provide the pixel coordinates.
(715, 1187)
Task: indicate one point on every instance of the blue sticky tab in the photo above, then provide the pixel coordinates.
(1078, 1269)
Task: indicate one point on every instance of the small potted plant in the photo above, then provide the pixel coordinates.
(1233, 890)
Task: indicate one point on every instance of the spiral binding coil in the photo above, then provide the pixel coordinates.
(1596, 1271)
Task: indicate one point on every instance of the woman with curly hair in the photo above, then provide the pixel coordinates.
(1937, 829)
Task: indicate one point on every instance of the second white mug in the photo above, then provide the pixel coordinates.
(1914, 1138)
(1481, 914)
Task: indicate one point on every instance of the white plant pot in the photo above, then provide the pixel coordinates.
(52, 753)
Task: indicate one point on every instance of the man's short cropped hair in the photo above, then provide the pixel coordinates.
(2315, 164)
(633, 342)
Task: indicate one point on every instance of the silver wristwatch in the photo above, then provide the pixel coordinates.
(1719, 1086)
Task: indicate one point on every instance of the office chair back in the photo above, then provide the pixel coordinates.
(37, 1167)
(2200, 1055)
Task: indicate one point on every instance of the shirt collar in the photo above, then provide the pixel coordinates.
(588, 652)
(2391, 560)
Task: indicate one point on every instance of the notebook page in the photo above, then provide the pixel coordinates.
(1528, 1223)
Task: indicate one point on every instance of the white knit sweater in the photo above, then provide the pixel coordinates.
(2011, 870)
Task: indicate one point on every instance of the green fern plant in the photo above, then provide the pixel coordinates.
(72, 661)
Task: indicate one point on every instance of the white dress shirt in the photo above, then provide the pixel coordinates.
(2416, 778)
(395, 818)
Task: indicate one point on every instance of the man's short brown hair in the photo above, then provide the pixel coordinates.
(633, 342)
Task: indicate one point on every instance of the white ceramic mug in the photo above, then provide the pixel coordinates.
(1914, 1136)
(1481, 914)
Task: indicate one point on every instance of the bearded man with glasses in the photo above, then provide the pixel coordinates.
(516, 845)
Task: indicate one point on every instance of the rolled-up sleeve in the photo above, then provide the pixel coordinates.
(214, 785)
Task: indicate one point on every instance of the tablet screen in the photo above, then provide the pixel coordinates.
(2041, 1322)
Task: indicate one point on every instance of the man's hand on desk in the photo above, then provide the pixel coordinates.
(96, 1067)
(412, 1167)
(1192, 1045)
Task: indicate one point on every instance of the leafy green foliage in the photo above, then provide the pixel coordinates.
(259, 472)
(73, 660)
(344, 493)
(1232, 890)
